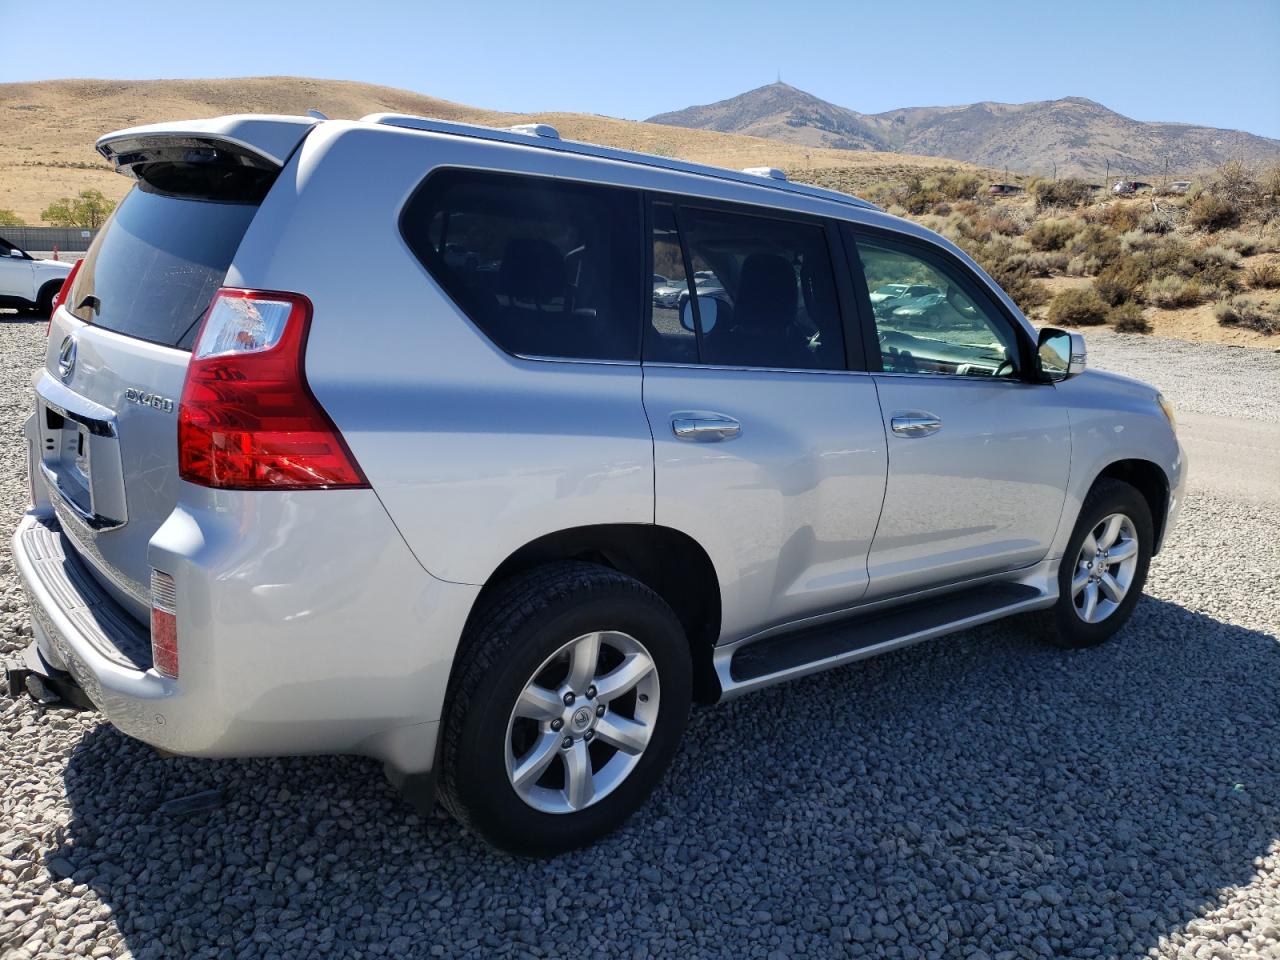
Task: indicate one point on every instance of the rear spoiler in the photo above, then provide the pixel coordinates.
(224, 157)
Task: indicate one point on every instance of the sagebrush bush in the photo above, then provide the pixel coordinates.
(1264, 276)
(1077, 308)
(1172, 291)
(1241, 243)
(1138, 240)
(1068, 192)
(1248, 312)
(1053, 233)
(1128, 318)
(1156, 222)
(1096, 241)
(1120, 217)
(1211, 213)
(1082, 265)
(1120, 282)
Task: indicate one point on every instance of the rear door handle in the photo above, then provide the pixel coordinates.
(705, 428)
(915, 424)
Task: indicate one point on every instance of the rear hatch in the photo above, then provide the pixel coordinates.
(107, 400)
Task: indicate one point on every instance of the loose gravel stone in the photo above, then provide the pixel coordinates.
(984, 796)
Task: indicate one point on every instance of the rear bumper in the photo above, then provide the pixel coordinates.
(292, 638)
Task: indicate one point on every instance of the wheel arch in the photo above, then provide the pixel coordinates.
(671, 563)
(1149, 479)
(49, 288)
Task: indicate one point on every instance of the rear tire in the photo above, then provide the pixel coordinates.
(529, 679)
(1104, 568)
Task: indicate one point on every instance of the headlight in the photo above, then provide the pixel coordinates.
(1167, 407)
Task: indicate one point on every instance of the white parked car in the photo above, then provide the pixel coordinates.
(26, 282)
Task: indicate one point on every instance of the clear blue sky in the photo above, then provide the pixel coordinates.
(1214, 62)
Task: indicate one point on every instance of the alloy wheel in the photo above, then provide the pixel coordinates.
(582, 722)
(1104, 568)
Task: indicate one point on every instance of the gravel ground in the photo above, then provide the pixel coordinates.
(980, 797)
(1196, 377)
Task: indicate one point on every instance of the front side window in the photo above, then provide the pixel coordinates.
(926, 321)
(745, 290)
(546, 268)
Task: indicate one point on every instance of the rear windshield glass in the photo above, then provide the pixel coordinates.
(155, 266)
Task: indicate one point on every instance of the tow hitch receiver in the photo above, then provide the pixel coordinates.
(29, 674)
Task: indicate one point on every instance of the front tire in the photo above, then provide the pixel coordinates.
(570, 692)
(1104, 568)
(44, 303)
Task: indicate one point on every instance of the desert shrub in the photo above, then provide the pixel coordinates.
(1120, 282)
(1077, 308)
(1172, 291)
(1157, 221)
(959, 185)
(1053, 233)
(1068, 192)
(1241, 243)
(1213, 267)
(1128, 318)
(1248, 312)
(1137, 240)
(1120, 217)
(1002, 261)
(1095, 241)
(1235, 182)
(1211, 212)
(941, 209)
(1264, 276)
(1216, 255)
(1000, 221)
(1082, 265)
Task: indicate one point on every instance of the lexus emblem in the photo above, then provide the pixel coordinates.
(67, 358)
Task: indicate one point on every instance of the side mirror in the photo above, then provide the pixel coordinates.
(15, 252)
(1060, 354)
(707, 307)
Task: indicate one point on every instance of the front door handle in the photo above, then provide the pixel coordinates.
(915, 424)
(705, 428)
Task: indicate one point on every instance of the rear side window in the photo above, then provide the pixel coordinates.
(762, 292)
(155, 266)
(544, 267)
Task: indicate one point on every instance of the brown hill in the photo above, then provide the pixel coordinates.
(47, 129)
(1080, 136)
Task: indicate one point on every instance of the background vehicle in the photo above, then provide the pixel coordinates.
(26, 282)
(498, 526)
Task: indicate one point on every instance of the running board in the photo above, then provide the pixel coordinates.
(744, 667)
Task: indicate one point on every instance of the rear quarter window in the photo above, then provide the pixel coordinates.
(544, 267)
(155, 266)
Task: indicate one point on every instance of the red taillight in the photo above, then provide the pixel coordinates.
(61, 298)
(248, 420)
(164, 624)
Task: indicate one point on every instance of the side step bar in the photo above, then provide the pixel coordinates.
(749, 666)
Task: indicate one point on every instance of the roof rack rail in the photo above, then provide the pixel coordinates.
(536, 135)
(536, 130)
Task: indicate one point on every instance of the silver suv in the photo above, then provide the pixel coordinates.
(371, 437)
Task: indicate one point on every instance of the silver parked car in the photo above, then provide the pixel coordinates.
(461, 494)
